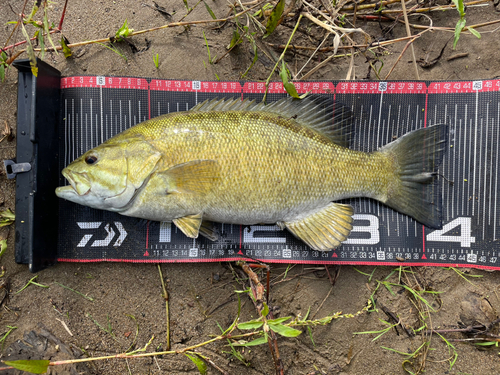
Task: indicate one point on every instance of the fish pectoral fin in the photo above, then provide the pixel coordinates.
(207, 230)
(197, 176)
(189, 225)
(325, 229)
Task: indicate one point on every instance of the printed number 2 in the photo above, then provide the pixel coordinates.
(464, 238)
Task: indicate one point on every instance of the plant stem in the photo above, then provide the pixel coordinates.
(282, 55)
(167, 310)
(172, 24)
(142, 355)
(62, 15)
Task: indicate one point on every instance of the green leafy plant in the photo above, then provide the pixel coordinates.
(4, 337)
(7, 217)
(235, 40)
(3, 246)
(156, 60)
(31, 282)
(108, 329)
(198, 361)
(289, 87)
(66, 50)
(461, 22)
(111, 47)
(275, 325)
(3, 65)
(210, 59)
(123, 32)
(380, 332)
(75, 291)
(210, 11)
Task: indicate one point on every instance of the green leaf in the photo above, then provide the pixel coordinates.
(275, 16)
(41, 42)
(279, 320)
(46, 28)
(123, 31)
(66, 50)
(252, 324)
(265, 310)
(30, 365)
(264, 8)
(458, 29)
(474, 32)
(234, 40)
(285, 330)
(309, 330)
(4, 56)
(259, 341)
(3, 246)
(6, 217)
(200, 363)
(2, 74)
(210, 11)
(289, 87)
(489, 343)
(460, 7)
(33, 11)
(29, 51)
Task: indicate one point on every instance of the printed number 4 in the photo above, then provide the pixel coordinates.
(464, 238)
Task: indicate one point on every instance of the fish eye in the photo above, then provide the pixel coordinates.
(91, 159)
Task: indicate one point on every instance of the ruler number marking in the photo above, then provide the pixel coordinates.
(465, 238)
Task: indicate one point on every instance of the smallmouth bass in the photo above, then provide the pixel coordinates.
(241, 162)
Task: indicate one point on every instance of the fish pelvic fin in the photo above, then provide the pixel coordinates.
(325, 229)
(414, 190)
(189, 225)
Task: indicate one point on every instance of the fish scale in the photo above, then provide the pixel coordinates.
(262, 162)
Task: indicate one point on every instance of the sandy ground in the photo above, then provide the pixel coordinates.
(202, 296)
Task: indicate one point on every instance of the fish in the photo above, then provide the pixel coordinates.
(243, 162)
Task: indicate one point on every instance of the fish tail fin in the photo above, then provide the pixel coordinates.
(414, 190)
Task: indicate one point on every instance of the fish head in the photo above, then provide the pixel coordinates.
(108, 176)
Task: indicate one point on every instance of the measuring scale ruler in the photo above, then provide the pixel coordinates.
(96, 108)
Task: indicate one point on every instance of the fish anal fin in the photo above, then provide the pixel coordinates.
(325, 229)
(189, 225)
(197, 176)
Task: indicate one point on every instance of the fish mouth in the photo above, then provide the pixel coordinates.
(79, 184)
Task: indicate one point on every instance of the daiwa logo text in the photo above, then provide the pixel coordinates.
(109, 237)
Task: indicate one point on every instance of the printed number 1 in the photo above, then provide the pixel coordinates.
(465, 239)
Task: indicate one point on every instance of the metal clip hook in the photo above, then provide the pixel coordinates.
(13, 168)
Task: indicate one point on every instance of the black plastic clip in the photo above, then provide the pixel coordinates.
(12, 168)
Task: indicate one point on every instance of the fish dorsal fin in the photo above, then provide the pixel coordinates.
(327, 117)
(325, 229)
(225, 105)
